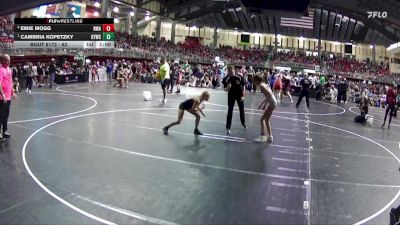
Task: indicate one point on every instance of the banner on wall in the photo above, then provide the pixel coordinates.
(47, 10)
(309, 71)
(91, 12)
(40, 12)
(74, 11)
(282, 68)
(53, 9)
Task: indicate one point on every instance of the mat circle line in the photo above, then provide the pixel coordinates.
(291, 113)
(60, 115)
(343, 110)
(65, 202)
(351, 110)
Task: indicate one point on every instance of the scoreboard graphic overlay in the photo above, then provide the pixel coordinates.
(64, 33)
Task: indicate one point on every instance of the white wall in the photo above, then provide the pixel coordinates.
(394, 53)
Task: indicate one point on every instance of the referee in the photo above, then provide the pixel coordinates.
(235, 86)
(305, 91)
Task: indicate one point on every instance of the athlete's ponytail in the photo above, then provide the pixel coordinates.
(205, 95)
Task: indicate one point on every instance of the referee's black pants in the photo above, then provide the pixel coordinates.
(304, 93)
(231, 104)
(342, 96)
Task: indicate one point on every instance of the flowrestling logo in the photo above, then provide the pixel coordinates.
(377, 14)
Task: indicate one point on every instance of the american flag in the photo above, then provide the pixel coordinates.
(306, 22)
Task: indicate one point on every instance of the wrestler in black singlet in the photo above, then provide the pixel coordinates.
(187, 104)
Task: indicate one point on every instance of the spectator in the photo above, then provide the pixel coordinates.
(35, 75)
(94, 71)
(29, 78)
(52, 72)
(41, 73)
(6, 92)
(363, 109)
(127, 73)
(391, 103)
(122, 79)
(342, 90)
(109, 71)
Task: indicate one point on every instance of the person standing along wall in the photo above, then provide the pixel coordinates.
(6, 91)
(29, 78)
(52, 72)
(277, 88)
(187, 69)
(397, 102)
(342, 91)
(180, 74)
(109, 71)
(40, 72)
(173, 68)
(271, 80)
(35, 75)
(286, 87)
(251, 73)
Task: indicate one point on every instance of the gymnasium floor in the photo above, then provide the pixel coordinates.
(91, 154)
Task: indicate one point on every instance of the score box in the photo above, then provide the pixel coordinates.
(108, 27)
(108, 36)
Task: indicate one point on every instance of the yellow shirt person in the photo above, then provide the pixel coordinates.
(164, 72)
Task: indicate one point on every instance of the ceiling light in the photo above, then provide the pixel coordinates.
(97, 4)
(96, 14)
(193, 27)
(301, 38)
(147, 17)
(116, 20)
(132, 13)
(371, 46)
(116, 9)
